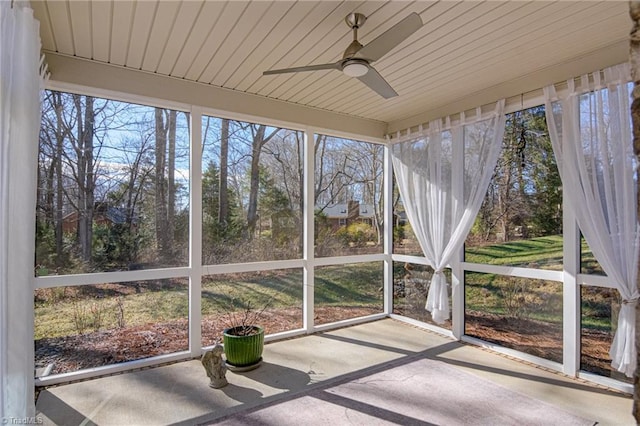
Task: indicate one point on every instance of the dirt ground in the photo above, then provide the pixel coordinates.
(542, 339)
(72, 353)
(77, 352)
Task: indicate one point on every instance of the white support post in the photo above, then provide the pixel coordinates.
(20, 98)
(570, 292)
(457, 273)
(457, 296)
(18, 205)
(308, 233)
(388, 230)
(195, 233)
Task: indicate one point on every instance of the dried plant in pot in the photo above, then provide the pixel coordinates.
(243, 338)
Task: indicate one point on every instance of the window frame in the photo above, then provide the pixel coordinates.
(195, 270)
(570, 276)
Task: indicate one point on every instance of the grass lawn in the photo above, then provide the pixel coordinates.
(72, 310)
(515, 312)
(538, 299)
(541, 252)
(514, 297)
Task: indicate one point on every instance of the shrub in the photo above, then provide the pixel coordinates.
(399, 233)
(357, 234)
(88, 315)
(515, 298)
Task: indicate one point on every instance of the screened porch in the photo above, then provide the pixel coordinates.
(171, 186)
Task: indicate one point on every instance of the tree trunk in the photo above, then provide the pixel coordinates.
(80, 178)
(377, 171)
(254, 181)
(223, 194)
(160, 183)
(520, 165)
(171, 188)
(58, 180)
(300, 151)
(503, 205)
(90, 182)
(48, 198)
(634, 11)
(319, 147)
(131, 189)
(259, 140)
(85, 176)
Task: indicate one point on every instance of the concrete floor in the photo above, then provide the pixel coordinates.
(179, 393)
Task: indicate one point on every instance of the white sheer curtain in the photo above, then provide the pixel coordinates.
(590, 128)
(20, 84)
(442, 191)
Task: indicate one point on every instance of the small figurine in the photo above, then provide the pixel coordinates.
(215, 367)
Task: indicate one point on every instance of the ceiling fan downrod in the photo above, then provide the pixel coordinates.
(354, 21)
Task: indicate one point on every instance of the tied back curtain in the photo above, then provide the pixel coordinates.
(20, 84)
(442, 175)
(590, 129)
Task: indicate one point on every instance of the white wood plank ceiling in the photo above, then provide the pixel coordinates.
(464, 47)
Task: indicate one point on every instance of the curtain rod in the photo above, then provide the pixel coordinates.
(528, 99)
(450, 120)
(512, 104)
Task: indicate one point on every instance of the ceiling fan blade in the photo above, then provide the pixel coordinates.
(386, 41)
(378, 84)
(319, 67)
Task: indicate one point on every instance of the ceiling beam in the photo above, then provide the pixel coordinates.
(526, 86)
(105, 77)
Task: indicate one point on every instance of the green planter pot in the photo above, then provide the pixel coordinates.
(243, 351)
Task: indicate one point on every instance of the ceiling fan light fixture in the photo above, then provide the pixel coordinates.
(355, 69)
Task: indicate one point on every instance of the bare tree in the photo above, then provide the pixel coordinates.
(171, 180)
(50, 188)
(165, 185)
(59, 138)
(85, 172)
(72, 134)
(283, 158)
(223, 204)
(139, 172)
(285, 163)
(162, 237)
(331, 178)
(259, 140)
(370, 169)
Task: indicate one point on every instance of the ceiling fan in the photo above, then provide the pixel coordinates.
(357, 59)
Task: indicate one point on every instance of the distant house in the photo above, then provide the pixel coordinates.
(103, 215)
(344, 214)
(367, 214)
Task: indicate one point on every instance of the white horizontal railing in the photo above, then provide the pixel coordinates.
(514, 271)
(105, 370)
(234, 268)
(53, 281)
(345, 260)
(50, 281)
(349, 322)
